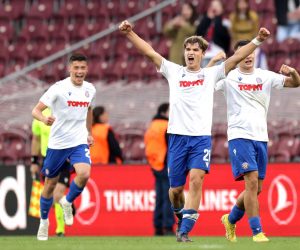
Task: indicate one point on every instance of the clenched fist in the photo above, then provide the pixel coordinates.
(125, 27)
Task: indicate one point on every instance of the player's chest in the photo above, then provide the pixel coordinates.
(253, 85)
(75, 98)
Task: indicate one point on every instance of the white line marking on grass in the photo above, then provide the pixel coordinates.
(214, 246)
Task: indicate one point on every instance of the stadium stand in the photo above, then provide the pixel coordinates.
(127, 84)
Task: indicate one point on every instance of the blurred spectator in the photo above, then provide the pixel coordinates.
(244, 22)
(288, 25)
(214, 28)
(106, 148)
(178, 29)
(156, 143)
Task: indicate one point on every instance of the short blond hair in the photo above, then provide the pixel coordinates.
(203, 44)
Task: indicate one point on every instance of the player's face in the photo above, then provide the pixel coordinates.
(193, 56)
(78, 71)
(248, 63)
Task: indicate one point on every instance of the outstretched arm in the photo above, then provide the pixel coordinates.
(145, 48)
(218, 57)
(246, 50)
(293, 79)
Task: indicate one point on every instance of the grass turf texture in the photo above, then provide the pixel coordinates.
(143, 243)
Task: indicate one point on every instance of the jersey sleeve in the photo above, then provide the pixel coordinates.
(220, 85)
(168, 68)
(277, 80)
(49, 96)
(36, 128)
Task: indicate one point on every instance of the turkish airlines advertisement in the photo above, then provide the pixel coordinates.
(119, 200)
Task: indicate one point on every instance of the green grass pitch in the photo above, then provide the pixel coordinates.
(144, 243)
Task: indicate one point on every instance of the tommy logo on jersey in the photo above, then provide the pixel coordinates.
(185, 84)
(250, 87)
(77, 104)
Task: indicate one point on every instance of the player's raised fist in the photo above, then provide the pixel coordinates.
(125, 27)
(263, 34)
(286, 70)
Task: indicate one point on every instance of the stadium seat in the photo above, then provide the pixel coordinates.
(117, 71)
(14, 8)
(15, 145)
(6, 31)
(42, 9)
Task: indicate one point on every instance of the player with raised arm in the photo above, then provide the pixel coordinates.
(70, 101)
(247, 91)
(190, 119)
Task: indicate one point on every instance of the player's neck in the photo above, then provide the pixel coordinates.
(246, 70)
(193, 70)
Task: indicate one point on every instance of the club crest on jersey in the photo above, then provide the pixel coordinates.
(240, 78)
(258, 80)
(69, 93)
(87, 94)
(183, 75)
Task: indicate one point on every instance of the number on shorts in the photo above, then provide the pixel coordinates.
(87, 154)
(206, 157)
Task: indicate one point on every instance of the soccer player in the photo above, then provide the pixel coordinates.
(39, 144)
(70, 101)
(191, 104)
(247, 92)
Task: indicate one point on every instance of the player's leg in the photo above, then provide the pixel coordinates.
(59, 192)
(199, 164)
(177, 171)
(51, 167)
(240, 152)
(262, 160)
(80, 160)
(46, 202)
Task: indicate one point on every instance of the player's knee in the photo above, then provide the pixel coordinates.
(196, 182)
(84, 176)
(252, 184)
(177, 191)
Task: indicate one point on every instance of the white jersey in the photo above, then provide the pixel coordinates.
(248, 97)
(191, 98)
(69, 105)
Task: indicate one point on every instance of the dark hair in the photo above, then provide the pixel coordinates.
(241, 43)
(77, 57)
(97, 111)
(163, 108)
(203, 44)
(237, 10)
(194, 15)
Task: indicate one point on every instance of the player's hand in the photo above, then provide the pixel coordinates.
(48, 120)
(34, 169)
(125, 27)
(263, 34)
(286, 70)
(90, 140)
(220, 56)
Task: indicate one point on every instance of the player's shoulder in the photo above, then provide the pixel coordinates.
(60, 83)
(89, 85)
